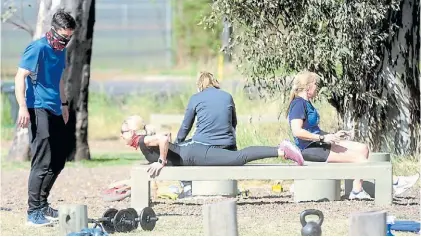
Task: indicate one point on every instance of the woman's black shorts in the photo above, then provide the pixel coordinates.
(316, 152)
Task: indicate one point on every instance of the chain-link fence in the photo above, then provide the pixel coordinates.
(129, 34)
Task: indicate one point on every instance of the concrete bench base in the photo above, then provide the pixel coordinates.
(379, 171)
(211, 188)
(368, 185)
(317, 190)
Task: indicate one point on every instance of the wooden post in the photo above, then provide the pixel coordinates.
(72, 218)
(220, 218)
(371, 223)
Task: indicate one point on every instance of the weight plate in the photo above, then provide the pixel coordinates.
(145, 219)
(134, 212)
(124, 221)
(108, 225)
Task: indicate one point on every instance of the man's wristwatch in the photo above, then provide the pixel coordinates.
(321, 138)
(65, 103)
(162, 162)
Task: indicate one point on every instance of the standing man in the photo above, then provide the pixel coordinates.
(43, 106)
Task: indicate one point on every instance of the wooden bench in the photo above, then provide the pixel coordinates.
(381, 172)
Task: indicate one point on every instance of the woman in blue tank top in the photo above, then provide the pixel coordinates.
(317, 145)
(320, 146)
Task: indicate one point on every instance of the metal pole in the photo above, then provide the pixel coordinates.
(226, 35)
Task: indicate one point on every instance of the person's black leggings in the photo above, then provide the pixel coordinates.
(45, 135)
(196, 154)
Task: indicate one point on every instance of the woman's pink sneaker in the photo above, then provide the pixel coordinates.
(291, 152)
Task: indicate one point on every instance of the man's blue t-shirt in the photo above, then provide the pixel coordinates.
(303, 109)
(43, 84)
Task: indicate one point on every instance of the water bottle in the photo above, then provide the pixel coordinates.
(390, 220)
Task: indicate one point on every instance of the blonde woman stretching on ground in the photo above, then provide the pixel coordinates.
(159, 151)
(319, 146)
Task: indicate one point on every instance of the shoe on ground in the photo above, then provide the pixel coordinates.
(37, 219)
(50, 213)
(404, 183)
(359, 195)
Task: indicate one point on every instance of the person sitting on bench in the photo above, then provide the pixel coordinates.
(317, 145)
(216, 118)
(159, 151)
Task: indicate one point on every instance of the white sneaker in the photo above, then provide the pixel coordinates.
(405, 183)
(360, 195)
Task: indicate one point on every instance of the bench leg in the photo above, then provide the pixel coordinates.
(141, 191)
(384, 190)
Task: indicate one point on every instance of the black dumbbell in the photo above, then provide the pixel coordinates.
(107, 220)
(127, 220)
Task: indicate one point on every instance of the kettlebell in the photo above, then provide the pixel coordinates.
(311, 228)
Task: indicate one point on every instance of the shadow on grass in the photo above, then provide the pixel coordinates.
(242, 202)
(271, 196)
(259, 203)
(406, 201)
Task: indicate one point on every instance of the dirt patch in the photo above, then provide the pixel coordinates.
(263, 213)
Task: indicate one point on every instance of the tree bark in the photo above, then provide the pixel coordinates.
(77, 75)
(19, 150)
(395, 127)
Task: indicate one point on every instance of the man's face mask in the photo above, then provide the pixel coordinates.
(57, 41)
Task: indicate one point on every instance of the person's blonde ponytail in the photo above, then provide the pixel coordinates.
(291, 98)
(301, 81)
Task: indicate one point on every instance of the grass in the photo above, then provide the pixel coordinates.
(106, 115)
(106, 68)
(109, 112)
(6, 119)
(98, 159)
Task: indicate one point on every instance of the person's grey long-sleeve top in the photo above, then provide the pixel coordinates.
(216, 118)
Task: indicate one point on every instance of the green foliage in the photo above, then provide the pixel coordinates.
(6, 115)
(7, 123)
(8, 10)
(366, 53)
(194, 42)
(340, 40)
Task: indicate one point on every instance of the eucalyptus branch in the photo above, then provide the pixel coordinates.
(23, 26)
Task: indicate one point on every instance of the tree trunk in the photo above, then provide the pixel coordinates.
(76, 76)
(395, 127)
(19, 150)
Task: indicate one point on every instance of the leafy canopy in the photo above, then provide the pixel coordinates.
(340, 40)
